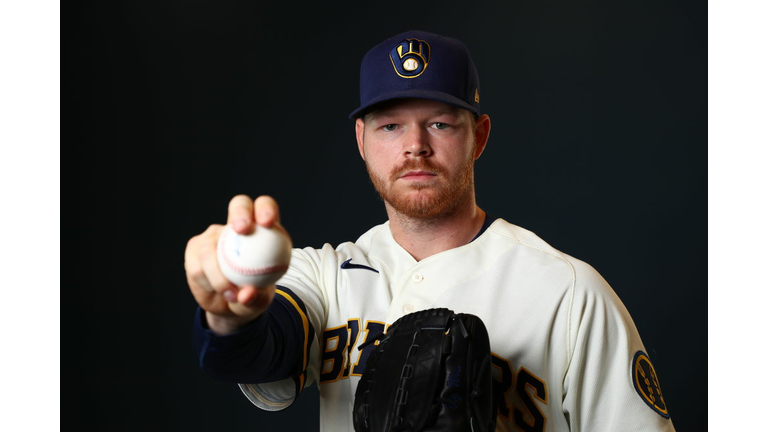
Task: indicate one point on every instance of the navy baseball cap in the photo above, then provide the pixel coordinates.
(418, 64)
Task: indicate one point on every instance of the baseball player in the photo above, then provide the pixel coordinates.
(566, 354)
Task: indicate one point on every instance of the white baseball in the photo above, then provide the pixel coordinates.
(257, 259)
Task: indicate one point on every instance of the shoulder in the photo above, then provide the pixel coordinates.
(590, 298)
(539, 252)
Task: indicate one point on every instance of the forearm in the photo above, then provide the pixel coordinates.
(263, 350)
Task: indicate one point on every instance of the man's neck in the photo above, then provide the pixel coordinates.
(424, 238)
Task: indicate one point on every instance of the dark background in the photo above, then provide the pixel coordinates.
(598, 145)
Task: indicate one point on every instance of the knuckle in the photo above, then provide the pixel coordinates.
(208, 252)
(196, 277)
(212, 229)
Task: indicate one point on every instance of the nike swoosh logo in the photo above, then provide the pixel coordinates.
(348, 265)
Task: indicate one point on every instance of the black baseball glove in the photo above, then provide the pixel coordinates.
(431, 371)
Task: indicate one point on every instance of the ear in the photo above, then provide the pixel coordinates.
(482, 132)
(359, 132)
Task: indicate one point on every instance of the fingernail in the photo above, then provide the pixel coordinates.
(239, 224)
(230, 296)
(265, 214)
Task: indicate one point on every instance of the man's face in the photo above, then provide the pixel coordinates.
(420, 156)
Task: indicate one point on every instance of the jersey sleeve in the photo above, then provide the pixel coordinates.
(610, 383)
(303, 291)
(270, 358)
(267, 349)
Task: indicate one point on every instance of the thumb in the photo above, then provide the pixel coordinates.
(252, 300)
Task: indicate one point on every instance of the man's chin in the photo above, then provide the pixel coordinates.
(422, 204)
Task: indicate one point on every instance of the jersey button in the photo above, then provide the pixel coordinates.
(418, 277)
(408, 308)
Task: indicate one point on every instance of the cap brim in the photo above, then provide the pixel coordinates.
(417, 94)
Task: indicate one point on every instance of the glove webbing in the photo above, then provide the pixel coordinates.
(401, 396)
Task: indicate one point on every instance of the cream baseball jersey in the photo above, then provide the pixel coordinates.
(566, 353)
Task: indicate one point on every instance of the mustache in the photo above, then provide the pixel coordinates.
(417, 164)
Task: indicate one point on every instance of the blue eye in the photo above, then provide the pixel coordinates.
(389, 127)
(440, 125)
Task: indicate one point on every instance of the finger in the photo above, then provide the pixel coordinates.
(247, 294)
(196, 278)
(199, 285)
(240, 214)
(267, 211)
(251, 299)
(209, 262)
(262, 299)
(192, 265)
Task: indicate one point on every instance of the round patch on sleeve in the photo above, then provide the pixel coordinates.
(647, 384)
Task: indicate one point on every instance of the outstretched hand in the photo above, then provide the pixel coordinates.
(229, 307)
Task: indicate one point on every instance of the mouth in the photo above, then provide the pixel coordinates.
(417, 175)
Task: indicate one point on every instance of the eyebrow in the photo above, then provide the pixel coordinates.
(385, 111)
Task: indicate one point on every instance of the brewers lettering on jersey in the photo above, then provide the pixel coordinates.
(566, 355)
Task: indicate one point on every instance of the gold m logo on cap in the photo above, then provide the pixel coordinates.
(410, 57)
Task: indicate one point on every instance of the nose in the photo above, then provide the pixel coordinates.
(417, 143)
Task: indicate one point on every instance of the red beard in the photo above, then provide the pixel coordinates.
(428, 200)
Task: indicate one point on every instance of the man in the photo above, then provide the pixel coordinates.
(566, 354)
